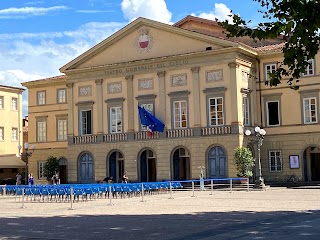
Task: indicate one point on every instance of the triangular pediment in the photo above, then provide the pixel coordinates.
(145, 39)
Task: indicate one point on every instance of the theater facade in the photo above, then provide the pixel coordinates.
(207, 90)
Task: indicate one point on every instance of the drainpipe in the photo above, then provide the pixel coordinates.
(260, 94)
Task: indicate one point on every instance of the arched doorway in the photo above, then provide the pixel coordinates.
(116, 165)
(148, 166)
(86, 168)
(180, 164)
(63, 170)
(311, 163)
(216, 162)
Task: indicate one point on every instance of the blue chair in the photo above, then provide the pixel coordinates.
(44, 193)
(126, 190)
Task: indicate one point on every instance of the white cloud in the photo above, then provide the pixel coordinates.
(25, 56)
(28, 11)
(152, 9)
(94, 11)
(220, 11)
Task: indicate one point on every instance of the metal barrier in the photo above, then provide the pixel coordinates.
(85, 192)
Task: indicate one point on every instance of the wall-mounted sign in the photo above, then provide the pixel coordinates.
(294, 161)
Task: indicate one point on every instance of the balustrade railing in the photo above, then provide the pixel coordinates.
(85, 139)
(175, 133)
(180, 133)
(145, 135)
(216, 130)
(115, 137)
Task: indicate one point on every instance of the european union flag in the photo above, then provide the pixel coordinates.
(150, 121)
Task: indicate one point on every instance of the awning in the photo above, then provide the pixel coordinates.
(11, 161)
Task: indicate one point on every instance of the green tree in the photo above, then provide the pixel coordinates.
(297, 21)
(51, 167)
(244, 161)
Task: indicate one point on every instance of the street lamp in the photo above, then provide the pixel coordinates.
(258, 136)
(25, 155)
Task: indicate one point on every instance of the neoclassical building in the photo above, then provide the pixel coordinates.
(207, 90)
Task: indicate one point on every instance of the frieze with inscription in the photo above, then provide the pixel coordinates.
(216, 75)
(145, 84)
(115, 87)
(85, 91)
(143, 68)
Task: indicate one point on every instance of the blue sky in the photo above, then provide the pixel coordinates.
(38, 37)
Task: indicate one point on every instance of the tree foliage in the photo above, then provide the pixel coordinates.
(51, 167)
(297, 21)
(244, 161)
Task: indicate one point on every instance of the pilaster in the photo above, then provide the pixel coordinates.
(196, 96)
(161, 112)
(130, 101)
(99, 106)
(70, 110)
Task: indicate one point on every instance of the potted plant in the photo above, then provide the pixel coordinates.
(244, 161)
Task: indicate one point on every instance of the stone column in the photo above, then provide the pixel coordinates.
(70, 113)
(99, 106)
(130, 101)
(196, 96)
(161, 112)
(236, 99)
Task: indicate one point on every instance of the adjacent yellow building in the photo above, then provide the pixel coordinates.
(207, 90)
(47, 125)
(11, 134)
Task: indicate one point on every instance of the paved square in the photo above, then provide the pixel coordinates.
(278, 213)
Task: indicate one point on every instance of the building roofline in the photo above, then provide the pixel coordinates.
(12, 88)
(45, 80)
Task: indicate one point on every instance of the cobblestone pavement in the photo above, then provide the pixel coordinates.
(278, 213)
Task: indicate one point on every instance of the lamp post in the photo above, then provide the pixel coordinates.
(258, 137)
(25, 155)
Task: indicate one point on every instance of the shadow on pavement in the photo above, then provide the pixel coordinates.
(213, 225)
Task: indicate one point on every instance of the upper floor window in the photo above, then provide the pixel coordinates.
(1, 102)
(14, 103)
(246, 111)
(269, 68)
(1, 133)
(273, 113)
(41, 130)
(85, 122)
(62, 129)
(216, 117)
(310, 68)
(180, 114)
(61, 95)
(41, 98)
(14, 136)
(115, 119)
(275, 161)
(150, 108)
(310, 110)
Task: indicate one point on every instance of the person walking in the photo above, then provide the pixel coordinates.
(18, 179)
(31, 182)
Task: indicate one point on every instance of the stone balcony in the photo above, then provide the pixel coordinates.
(143, 136)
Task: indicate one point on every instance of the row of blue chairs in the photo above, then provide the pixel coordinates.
(89, 191)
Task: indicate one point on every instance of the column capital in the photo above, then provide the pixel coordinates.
(98, 81)
(69, 85)
(234, 65)
(195, 69)
(161, 73)
(129, 77)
